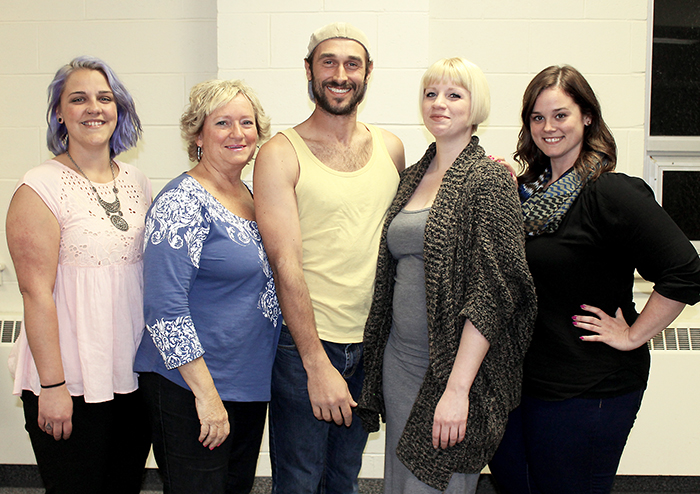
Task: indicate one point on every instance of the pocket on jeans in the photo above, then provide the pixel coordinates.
(286, 342)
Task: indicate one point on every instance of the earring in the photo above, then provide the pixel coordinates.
(199, 153)
(60, 120)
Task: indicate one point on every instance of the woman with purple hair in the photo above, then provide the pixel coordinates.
(75, 231)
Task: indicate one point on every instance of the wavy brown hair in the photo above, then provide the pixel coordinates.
(598, 152)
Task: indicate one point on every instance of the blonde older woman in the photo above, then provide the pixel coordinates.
(209, 303)
(454, 303)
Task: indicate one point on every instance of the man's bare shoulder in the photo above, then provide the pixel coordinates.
(277, 147)
(277, 155)
(395, 147)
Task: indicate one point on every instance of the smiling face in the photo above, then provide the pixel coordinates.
(338, 75)
(229, 134)
(557, 127)
(446, 109)
(88, 109)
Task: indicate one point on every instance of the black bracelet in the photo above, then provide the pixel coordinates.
(53, 385)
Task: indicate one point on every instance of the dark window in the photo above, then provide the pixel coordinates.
(675, 74)
(681, 200)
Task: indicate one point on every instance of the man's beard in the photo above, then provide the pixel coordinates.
(324, 101)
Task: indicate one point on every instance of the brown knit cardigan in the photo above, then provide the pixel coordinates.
(475, 269)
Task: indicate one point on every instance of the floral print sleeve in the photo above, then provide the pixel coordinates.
(208, 292)
(177, 226)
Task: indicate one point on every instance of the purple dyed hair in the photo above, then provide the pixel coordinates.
(128, 129)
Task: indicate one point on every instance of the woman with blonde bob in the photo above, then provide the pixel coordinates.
(209, 303)
(453, 304)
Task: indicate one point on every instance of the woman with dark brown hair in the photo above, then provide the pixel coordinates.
(587, 230)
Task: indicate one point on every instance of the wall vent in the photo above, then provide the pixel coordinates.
(9, 331)
(676, 339)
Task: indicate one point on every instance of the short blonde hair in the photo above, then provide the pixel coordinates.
(467, 75)
(208, 96)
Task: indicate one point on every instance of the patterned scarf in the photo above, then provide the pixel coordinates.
(545, 208)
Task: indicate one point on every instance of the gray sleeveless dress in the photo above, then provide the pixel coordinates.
(406, 354)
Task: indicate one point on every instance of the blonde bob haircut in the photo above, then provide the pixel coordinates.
(205, 98)
(464, 73)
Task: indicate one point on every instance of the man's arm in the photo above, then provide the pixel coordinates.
(275, 176)
(395, 147)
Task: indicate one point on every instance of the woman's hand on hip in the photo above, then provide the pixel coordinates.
(56, 412)
(613, 331)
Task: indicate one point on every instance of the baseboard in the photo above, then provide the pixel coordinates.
(28, 476)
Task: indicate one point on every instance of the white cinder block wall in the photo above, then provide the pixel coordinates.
(160, 49)
(511, 40)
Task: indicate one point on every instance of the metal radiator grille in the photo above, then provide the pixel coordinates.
(676, 339)
(9, 331)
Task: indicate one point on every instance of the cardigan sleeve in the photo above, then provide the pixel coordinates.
(638, 226)
(499, 285)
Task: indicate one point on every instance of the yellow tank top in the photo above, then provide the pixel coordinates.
(341, 216)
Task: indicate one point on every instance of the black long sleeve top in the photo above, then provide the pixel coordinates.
(614, 227)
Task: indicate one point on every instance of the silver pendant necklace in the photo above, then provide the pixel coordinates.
(113, 209)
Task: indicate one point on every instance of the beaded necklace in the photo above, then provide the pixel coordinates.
(113, 209)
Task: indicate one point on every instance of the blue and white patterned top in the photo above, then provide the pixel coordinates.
(208, 290)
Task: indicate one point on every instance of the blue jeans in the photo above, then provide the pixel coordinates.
(308, 455)
(185, 465)
(564, 447)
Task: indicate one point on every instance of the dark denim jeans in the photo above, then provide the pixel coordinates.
(311, 456)
(188, 467)
(564, 447)
(106, 452)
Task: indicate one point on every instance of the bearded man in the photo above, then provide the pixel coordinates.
(322, 190)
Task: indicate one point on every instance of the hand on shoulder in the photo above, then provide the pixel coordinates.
(508, 166)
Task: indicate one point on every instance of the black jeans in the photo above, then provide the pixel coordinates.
(188, 467)
(105, 453)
